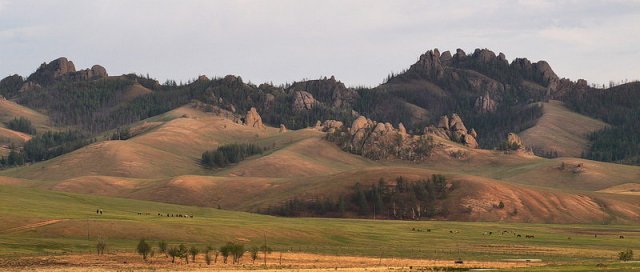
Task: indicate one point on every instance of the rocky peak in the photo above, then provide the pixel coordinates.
(503, 59)
(253, 119)
(540, 72)
(48, 72)
(484, 55)
(327, 90)
(459, 55)
(543, 69)
(430, 64)
(446, 58)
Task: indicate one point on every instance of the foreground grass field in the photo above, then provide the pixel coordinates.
(41, 222)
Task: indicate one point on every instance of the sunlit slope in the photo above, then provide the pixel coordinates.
(561, 130)
(10, 110)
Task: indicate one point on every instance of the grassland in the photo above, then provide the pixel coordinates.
(40, 222)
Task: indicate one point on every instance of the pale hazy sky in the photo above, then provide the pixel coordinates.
(359, 42)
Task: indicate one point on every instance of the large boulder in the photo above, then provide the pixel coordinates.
(456, 124)
(452, 128)
(253, 119)
(514, 142)
(95, 72)
(331, 125)
(303, 100)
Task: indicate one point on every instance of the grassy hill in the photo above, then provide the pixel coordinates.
(161, 164)
(561, 130)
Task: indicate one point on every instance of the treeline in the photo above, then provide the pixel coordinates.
(46, 146)
(620, 107)
(21, 124)
(401, 199)
(229, 154)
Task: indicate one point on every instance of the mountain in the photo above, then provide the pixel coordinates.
(436, 141)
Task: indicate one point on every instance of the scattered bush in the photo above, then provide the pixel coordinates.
(234, 250)
(193, 251)
(101, 246)
(143, 249)
(626, 255)
(162, 245)
(254, 253)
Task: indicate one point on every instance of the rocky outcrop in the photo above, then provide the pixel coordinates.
(48, 72)
(331, 126)
(253, 119)
(452, 128)
(303, 100)
(282, 129)
(485, 104)
(95, 72)
(376, 140)
(540, 72)
(328, 91)
(29, 86)
(64, 69)
(429, 64)
(402, 130)
(514, 142)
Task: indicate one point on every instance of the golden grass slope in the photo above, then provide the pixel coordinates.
(161, 164)
(10, 110)
(561, 130)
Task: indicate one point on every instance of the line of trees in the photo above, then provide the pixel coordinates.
(229, 154)
(401, 199)
(231, 250)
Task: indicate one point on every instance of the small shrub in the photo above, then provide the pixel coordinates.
(162, 246)
(173, 252)
(626, 255)
(254, 253)
(143, 249)
(100, 247)
(193, 251)
(501, 205)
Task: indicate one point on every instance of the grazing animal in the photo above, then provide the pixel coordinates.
(621, 237)
(529, 236)
(519, 235)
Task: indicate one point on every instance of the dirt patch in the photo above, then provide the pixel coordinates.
(33, 226)
(276, 261)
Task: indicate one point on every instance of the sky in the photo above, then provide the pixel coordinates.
(359, 42)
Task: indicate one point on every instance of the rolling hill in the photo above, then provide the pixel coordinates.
(561, 131)
(161, 164)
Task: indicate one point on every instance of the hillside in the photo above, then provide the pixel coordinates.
(161, 164)
(561, 132)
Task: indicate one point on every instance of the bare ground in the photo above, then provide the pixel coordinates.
(275, 262)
